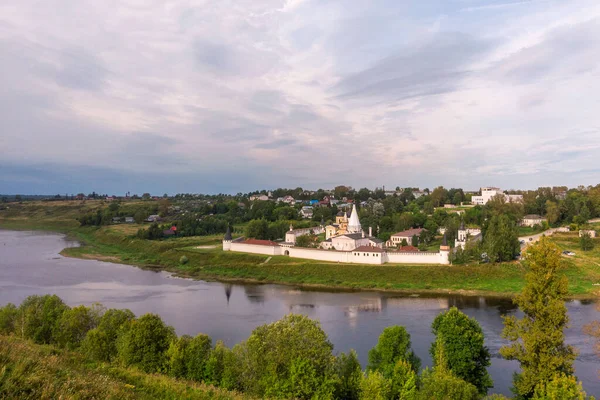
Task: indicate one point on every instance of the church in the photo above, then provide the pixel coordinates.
(347, 234)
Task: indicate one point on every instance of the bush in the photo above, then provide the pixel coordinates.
(288, 358)
(183, 260)
(74, 324)
(8, 317)
(101, 343)
(560, 387)
(349, 375)
(374, 386)
(145, 343)
(38, 317)
(188, 357)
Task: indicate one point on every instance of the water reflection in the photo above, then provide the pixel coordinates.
(228, 288)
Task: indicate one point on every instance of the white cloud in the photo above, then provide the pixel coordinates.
(388, 92)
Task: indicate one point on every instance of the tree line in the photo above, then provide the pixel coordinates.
(293, 357)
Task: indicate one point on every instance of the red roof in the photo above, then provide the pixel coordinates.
(409, 232)
(260, 242)
(408, 248)
(369, 248)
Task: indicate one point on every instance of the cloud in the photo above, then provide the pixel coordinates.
(238, 95)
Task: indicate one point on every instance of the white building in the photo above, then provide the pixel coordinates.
(488, 192)
(306, 212)
(397, 238)
(590, 232)
(465, 235)
(533, 220)
(292, 234)
(261, 197)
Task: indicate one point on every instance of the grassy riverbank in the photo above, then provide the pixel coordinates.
(116, 243)
(31, 371)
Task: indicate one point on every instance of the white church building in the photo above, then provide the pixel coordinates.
(352, 246)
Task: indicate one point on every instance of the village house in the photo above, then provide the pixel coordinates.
(306, 212)
(129, 220)
(261, 197)
(397, 238)
(532, 220)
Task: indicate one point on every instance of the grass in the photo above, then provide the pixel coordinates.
(529, 230)
(116, 243)
(30, 371)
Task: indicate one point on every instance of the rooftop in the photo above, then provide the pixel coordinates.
(369, 248)
(409, 233)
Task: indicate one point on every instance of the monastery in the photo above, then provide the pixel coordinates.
(345, 242)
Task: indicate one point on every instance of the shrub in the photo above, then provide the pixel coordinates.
(101, 343)
(145, 343)
(38, 317)
(8, 317)
(74, 324)
(349, 375)
(183, 260)
(374, 386)
(188, 357)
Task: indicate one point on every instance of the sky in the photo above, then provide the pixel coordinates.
(194, 96)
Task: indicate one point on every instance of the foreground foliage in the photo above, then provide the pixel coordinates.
(538, 338)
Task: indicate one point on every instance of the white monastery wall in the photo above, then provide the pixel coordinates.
(256, 249)
(418, 257)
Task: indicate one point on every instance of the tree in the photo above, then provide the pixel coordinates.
(145, 343)
(552, 212)
(404, 381)
(560, 387)
(438, 196)
(441, 384)
(393, 345)
(375, 386)
(414, 241)
(349, 375)
(586, 242)
(216, 372)
(188, 357)
(8, 319)
(289, 358)
(307, 241)
(101, 343)
(257, 229)
(74, 324)
(37, 318)
(463, 342)
(538, 338)
(501, 239)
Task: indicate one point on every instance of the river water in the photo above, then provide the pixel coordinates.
(30, 264)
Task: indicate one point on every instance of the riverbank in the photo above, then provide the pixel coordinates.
(116, 243)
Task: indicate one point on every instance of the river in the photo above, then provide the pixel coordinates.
(30, 264)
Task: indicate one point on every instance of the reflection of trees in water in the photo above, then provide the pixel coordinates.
(502, 304)
(228, 289)
(254, 293)
(301, 306)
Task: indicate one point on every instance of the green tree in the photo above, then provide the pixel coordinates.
(441, 384)
(38, 316)
(75, 323)
(560, 387)
(463, 342)
(8, 319)
(586, 242)
(393, 345)
(101, 343)
(404, 381)
(501, 239)
(552, 212)
(188, 357)
(216, 363)
(375, 386)
(285, 358)
(145, 343)
(306, 241)
(257, 229)
(349, 375)
(538, 338)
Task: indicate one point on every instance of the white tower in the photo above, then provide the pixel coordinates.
(353, 222)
